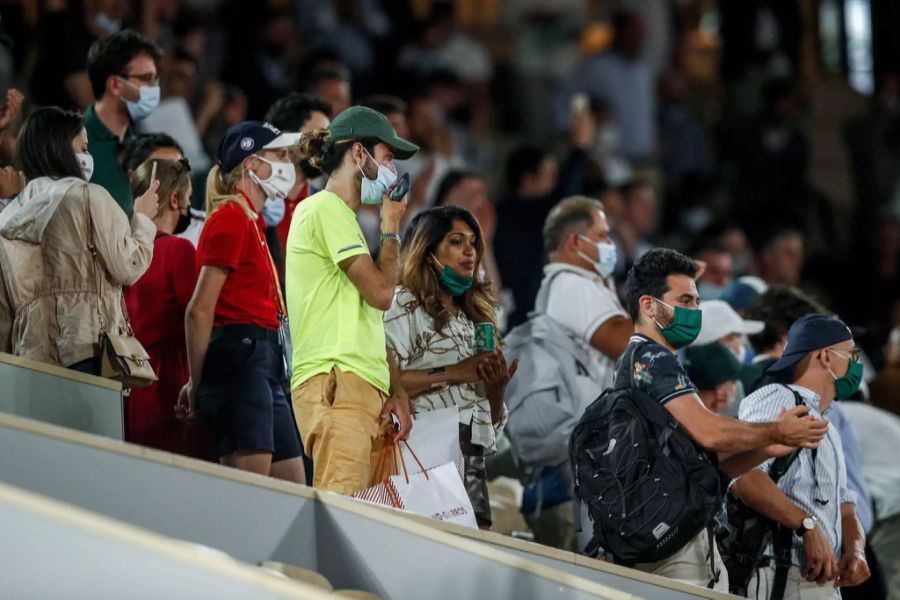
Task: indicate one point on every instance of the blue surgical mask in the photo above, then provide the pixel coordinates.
(607, 254)
(146, 104)
(273, 211)
(373, 190)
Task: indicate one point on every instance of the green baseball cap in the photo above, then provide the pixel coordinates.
(360, 122)
(711, 365)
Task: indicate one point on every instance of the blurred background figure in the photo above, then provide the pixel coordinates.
(716, 373)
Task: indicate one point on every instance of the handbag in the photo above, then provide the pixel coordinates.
(122, 357)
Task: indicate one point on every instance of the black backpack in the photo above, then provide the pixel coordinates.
(648, 488)
(748, 533)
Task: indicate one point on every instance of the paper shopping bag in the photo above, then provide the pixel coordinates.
(436, 493)
(435, 436)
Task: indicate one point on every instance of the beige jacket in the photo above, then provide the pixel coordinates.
(48, 294)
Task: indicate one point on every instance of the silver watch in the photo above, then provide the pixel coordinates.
(807, 524)
(391, 236)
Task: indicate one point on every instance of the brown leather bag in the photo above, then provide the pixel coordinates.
(122, 357)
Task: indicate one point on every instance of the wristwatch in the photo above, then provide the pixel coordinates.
(807, 524)
(391, 236)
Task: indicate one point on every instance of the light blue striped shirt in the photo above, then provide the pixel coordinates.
(818, 489)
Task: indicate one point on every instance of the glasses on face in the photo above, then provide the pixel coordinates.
(144, 78)
(853, 354)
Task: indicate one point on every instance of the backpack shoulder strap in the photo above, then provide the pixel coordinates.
(781, 465)
(541, 309)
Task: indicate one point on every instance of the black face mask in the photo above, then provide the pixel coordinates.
(184, 221)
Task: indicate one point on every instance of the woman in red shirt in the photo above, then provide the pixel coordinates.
(236, 351)
(157, 303)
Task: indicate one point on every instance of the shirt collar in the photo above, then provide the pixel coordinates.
(98, 130)
(247, 201)
(556, 267)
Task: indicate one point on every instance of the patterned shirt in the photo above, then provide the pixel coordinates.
(657, 371)
(818, 486)
(411, 334)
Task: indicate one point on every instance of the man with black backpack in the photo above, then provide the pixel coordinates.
(644, 454)
(817, 543)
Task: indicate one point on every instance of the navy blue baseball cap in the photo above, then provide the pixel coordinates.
(810, 333)
(249, 137)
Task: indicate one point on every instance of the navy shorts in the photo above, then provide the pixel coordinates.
(242, 397)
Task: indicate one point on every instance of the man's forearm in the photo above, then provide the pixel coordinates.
(853, 538)
(389, 261)
(735, 465)
(757, 490)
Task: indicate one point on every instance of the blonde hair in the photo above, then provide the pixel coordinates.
(173, 176)
(220, 189)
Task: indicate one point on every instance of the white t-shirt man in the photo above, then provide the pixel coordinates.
(581, 301)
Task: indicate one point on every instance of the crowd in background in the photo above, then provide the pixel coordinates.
(545, 137)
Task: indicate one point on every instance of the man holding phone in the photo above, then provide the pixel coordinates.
(344, 392)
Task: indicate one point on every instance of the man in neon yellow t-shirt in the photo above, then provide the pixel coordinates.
(341, 385)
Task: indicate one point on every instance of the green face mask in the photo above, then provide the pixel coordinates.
(846, 386)
(453, 282)
(685, 327)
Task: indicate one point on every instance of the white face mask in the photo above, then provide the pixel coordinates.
(373, 190)
(279, 184)
(606, 253)
(86, 162)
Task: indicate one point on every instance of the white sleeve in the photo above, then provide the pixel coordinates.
(581, 305)
(399, 327)
(764, 405)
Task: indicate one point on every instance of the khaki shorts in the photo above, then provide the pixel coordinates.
(338, 417)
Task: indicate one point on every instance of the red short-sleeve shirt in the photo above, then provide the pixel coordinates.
(232, 241)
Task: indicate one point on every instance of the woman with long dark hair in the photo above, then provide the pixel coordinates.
(53, 304)
(431, 329)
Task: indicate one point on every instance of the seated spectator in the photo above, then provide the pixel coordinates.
(332, 85)
(45, 259)
(878, 433)
(157, 303)
(884, 391)
(742, 291)
(778, 308)
(812, 500)
(716, 277)
(715, 371)
(332, 279)
(721, 324)
(391, 107)
(661, 297)
(780, 257)
(122, 70)
(299, 113)
(578, 293)
(430, 327)
(633, 233)
(236, 354)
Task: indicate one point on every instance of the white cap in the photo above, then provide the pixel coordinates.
(720, 320)
(284, 140)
